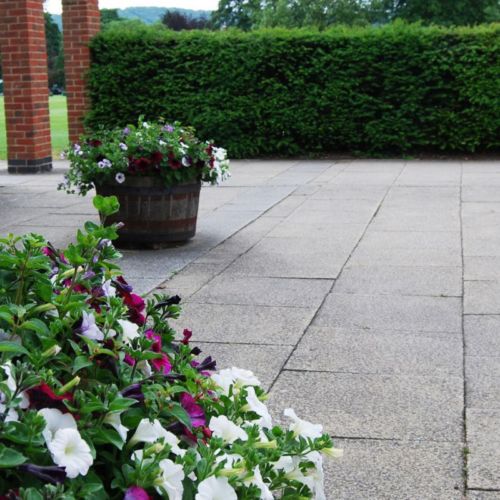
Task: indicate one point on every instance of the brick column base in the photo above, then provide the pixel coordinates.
(24, 61)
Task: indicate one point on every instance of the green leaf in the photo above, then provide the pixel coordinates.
(7, 346)
(106, 205)
(80, 363)
(178, 412)
(10, 458)
(120, 404)
(36, 325)
(31, 494)
(107, 436)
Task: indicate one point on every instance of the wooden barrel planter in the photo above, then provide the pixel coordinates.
(154, 215)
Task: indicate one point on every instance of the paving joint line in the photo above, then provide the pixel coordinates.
(374, 215)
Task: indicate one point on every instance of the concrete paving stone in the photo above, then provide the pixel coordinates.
(483, 495)
(193, 277)
(483, 381)
(285, 207)
(479, 215)
(325, 226)
(481, 178)
(374, 406)
(49, 199)
(245, 324)
(335, 350)
(382, 470)
(73, 221)
(230, 289)
(329, 205)
(420, 248)
(391, 312)
(341, 192)
(260, 198)
(416, 220)
(478, 268)
(212, 197)
(482, 297)
(294, 258)
(482, 335)
(480, 194)
(10, 217)
(437, 174)
(400, 280)
(481, 242)
(483, 442)
(265, 361)
(292, 179)
(352, 178)
(411, 196)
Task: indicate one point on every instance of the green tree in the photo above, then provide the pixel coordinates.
(109, 16)
(55, 59)
(243, 14)
(446, 12)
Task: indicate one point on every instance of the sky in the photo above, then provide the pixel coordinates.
(54, 6)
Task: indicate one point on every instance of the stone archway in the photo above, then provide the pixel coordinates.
(24, 64)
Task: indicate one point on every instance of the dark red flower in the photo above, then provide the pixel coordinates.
(151, 335)
(136, 493)
(156, 157)
(187, 334)
(162, 364)
(42, 396)
(95, 143)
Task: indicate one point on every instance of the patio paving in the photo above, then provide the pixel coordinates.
(365, 294)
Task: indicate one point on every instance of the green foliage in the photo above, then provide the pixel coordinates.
(397, 89)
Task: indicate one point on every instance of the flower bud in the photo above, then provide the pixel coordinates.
(66, 388)
(333, 452)
(270, 445)
(51, 351)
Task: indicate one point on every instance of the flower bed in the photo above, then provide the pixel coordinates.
(99, 399)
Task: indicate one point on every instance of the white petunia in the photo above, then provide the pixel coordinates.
(215, 488)
(170, 480)
(11, 416)
(314, 478)
(70, 451)
(54, 421)
(303, 427)
(120, 178)
(89, 327)
(220, 154)
(257, 406)
(256, 479)
(236, 377)
(223, 428)
(11, 384)
(146, 125)
(113, 419)
(150, 432)
(130, 330)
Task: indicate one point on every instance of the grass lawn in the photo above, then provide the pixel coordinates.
(58, 122)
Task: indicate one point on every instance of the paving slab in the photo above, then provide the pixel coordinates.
(483, 495)
(482, 335)
(381, 470)
(247, 324)
(477, 268)
(229, 289)
(401, 280)
(482, 375)
(294, 258)
(482, 297)
(483, 442)
(391, 312)
(345, 351)
(374, 406)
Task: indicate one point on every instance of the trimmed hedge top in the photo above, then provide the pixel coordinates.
(391, 90)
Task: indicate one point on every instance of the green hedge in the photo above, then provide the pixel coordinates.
(397, 89)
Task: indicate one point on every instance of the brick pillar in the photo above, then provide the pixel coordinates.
(81, 21)
(24, 64)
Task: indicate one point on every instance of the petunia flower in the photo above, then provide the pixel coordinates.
(170, 479)
(123, 146)
(104, 163)
(11, 384)
(130, 330)
(42, 396)
(113, 419)
(302, 427)
(257, 406)
(89, 328)
(223, 428)
(150, 432)
(108, 289)
(136, 493)
(120, 178)
(54, 421)
(215, 488)
(194, 410)
(70, 451)
(256, 479)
